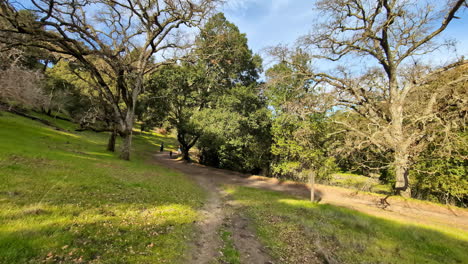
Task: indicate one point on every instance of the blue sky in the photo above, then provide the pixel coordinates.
(271, 22)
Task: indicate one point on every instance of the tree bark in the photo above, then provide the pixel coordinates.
(111, 142)
(126, 145)
(127, 135)
(185, 152)
(398, 139)
(401, 174)
(312, 185)
(186, 144)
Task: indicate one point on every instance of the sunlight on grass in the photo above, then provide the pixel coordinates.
(298, 231)
(68, 134)
(99, 154)
(64, 200)
(80, 157)
(452, 232)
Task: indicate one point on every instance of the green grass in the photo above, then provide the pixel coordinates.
(69, 126)
(359, 182)
(298, 231)
(64, 199)
(229, 252)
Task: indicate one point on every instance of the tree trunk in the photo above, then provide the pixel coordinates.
(186, 144)
(126, 145)
(127, 136)
(127, 128)
(185, 152)
(312, 185)
(401, 175)
(111, 142)
(398, 140)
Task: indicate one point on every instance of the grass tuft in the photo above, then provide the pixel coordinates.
(229, 252)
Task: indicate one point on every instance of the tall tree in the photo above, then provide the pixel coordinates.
(177, 92)
(224, 52)
(236, 133)
(390, 32)
(301, 127)
(229, 65)
(221, 60)
(114, 40)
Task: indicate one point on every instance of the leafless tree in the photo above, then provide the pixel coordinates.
(388, 34)
(118, 42)
(19, 86)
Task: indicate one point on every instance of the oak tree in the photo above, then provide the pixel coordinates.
(385, 38)
(119, 42)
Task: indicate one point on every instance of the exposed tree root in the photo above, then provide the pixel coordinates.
(384, 203)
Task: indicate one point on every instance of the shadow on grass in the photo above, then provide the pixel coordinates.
(110, 239)
(64, 198)
(297, 230)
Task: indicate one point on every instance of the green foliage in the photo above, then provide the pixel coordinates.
(174, 94)
(236, 134)
(27, 57)
(298, 231)
(441, 177)
(62, 93)
(64, 199)
(286, 84)
(301, 126)
(196, 99)
(300, 146)
(225, 54)
(72, 93)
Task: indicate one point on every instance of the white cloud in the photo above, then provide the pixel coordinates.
(237, 5)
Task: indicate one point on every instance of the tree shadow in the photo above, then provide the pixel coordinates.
(340, 235)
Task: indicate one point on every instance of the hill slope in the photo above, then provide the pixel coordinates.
(63, 198)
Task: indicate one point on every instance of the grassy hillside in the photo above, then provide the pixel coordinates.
(298, 231)
(63, 199)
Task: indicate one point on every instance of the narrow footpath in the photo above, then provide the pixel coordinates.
(218, 212)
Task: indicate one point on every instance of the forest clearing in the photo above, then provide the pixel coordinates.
(212, 131)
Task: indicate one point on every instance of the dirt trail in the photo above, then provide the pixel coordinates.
(208, 241)
(406, 211)
(215, 211)
(218, 212)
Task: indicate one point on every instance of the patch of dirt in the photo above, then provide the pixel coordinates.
(207, 241)
(23, 160)
(243, 235)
